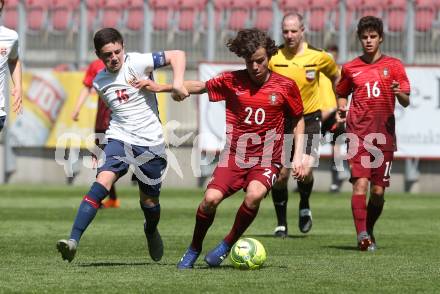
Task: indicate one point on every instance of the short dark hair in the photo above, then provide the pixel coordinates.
(106, 36)
(370, 23)
(248, 41)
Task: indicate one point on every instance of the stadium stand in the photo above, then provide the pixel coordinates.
(293, 6)
(135, 15)
(190, 14)
(37, 14)
(112, 13)
(369, 7)
(425, 14)
(63, 15)
(320, 10)
(92, 13)
(395, 18)
(10, 14)
(163, 11)
(263, 14)
(240, 13)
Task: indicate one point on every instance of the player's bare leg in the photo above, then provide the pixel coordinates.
(247, 212)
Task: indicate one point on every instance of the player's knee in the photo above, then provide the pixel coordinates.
(211, 200)
(377, 193)
(253, 198)
(360, 186)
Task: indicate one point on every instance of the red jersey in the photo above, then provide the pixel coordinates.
(103, 113)
(255, 115)
(372, 103)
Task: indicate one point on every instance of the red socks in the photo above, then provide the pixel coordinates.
(359, 209)
(203, 222)
(243, 220)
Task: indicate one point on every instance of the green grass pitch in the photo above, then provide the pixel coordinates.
(112, 257)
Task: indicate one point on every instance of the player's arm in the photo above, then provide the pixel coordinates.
(341, 113)
(193, 87)
(83, 95)
(177, 60)
(402, 97)
(343, 90)
(330, 69)
(298, 170)
(15, 70)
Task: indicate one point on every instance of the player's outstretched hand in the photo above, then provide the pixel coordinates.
(341, 114)
(179, 93)
(75, 115)
(298, 171)
(395, 86)
(148, 85)
(17, 105)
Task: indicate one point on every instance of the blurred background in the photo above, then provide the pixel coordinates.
(56, 46)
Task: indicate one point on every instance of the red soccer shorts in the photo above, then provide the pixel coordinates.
(377, 168)
(231, 178)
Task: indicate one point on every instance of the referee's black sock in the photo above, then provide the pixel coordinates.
(279, 198)
(305, 189)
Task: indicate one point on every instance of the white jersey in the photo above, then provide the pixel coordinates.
(8, 50)
(135, 114)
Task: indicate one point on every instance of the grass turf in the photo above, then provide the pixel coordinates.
(112, 257)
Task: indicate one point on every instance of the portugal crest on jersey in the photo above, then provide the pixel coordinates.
(386, 72)
(273, 98)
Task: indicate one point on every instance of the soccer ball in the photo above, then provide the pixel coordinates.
(248, 253)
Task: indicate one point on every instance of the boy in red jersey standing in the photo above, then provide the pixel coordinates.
(375, 81)
(257, 103)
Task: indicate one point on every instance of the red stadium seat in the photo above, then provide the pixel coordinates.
(349, 14)
(425, 14)
(162, 10)
(92, 13)
(294, 6)
(320, 11)
(239, 14)
(370, 7)
(135, 15)
(63, 14)
(10, 14)
(220, 11)
(36, 14)
(112, 13)
(189, 12)
(263, 14)
(396, 16)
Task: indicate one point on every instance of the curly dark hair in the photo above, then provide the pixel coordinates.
(248, 41)
(370, 23)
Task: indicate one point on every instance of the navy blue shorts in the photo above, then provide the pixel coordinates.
(148, 165)
(2, 122)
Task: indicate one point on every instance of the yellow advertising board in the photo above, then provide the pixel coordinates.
(49, 99)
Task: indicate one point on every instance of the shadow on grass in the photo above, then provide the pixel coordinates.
(109, 264)
(348, 248)
(271, 236)
(228, 267)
